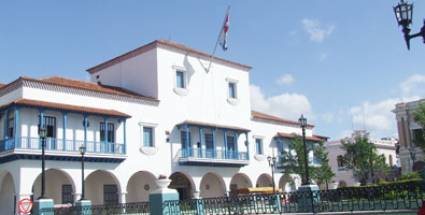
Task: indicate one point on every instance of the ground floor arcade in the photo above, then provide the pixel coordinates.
(104, 186)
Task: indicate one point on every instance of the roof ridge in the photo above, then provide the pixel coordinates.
(155, 43)
(275, 118)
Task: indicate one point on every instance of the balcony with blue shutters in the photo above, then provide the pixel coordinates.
(284, 141)
(207, 144)
(101, 131)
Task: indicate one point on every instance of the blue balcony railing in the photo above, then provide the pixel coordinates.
(58, 145)
(214, 154)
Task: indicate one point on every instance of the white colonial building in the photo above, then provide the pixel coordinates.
(343, 176)
(156, 110)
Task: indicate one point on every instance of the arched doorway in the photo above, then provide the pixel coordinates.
(212, 185)
(264, 180)
(7, 194)
(418, 166)
(239, 181)
(59, 186)
(102, 187)
(287, 183)
(139, 186)
(183, 184)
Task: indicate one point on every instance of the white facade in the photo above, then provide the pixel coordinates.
(411, 156)
(122, 167)
(344, 176)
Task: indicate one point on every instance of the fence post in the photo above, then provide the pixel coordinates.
(43, 207)
(83, 207)
(199, 204)
(162, 194)
(277, 202)
(309, 196)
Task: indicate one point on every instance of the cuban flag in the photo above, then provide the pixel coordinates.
(224, 32)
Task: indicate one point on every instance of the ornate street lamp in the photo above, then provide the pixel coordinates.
(303, 123)
(403, 13)
(82, 152)
(272, 164)
(42, 133)
(412, 153)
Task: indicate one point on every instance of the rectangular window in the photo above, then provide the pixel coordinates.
(67, 194)
(11, 125)
(180, 79)
(184, 139)
(231, 143)
(111, 132)
(340, 162)
(418, 136)
(259, 146)
(50, 123)
(209, 141)
(148, 136)
(110, 194)
(232, 90)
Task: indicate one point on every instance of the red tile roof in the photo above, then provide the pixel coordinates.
(66, 107)
(275, 119)
(164, 43)
(314, 138)
(83, 85)
(205, 124)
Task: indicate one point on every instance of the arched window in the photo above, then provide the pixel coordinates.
(340, 161)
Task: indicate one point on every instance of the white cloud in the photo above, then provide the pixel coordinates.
(287, 105)
(413, 85)
(375, 116)
(317, 31)
(286, 79)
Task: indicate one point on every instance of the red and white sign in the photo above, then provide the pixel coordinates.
(25, 206)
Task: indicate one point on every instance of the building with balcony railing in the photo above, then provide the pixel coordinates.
(155, 110)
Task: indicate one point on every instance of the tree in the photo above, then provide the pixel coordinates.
(419, 117)
(323, 174)
(292, 161)
(361, 157)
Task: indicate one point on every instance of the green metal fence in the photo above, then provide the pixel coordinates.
(403, 197)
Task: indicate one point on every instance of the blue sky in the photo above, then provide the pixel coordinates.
(342, 63)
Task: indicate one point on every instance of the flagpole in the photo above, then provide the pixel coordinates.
(218, 38)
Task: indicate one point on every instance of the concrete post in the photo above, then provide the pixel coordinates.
(308, 196)
(43, 207)
(84, 207)
(164, 201)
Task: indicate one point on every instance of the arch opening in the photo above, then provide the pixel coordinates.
(59, 186)
(102, 187)
(183, 184)
(212, 185)
(7, 194)
(239, 181)
(264, 180)
(287, 184)
(139, 186)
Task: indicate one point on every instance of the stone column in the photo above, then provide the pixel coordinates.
(164, 201)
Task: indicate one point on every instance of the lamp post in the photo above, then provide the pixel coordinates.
(403, 13)
(82, 152)
(272, 164)
(303, 123)
(42, 133)
(412, 153)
